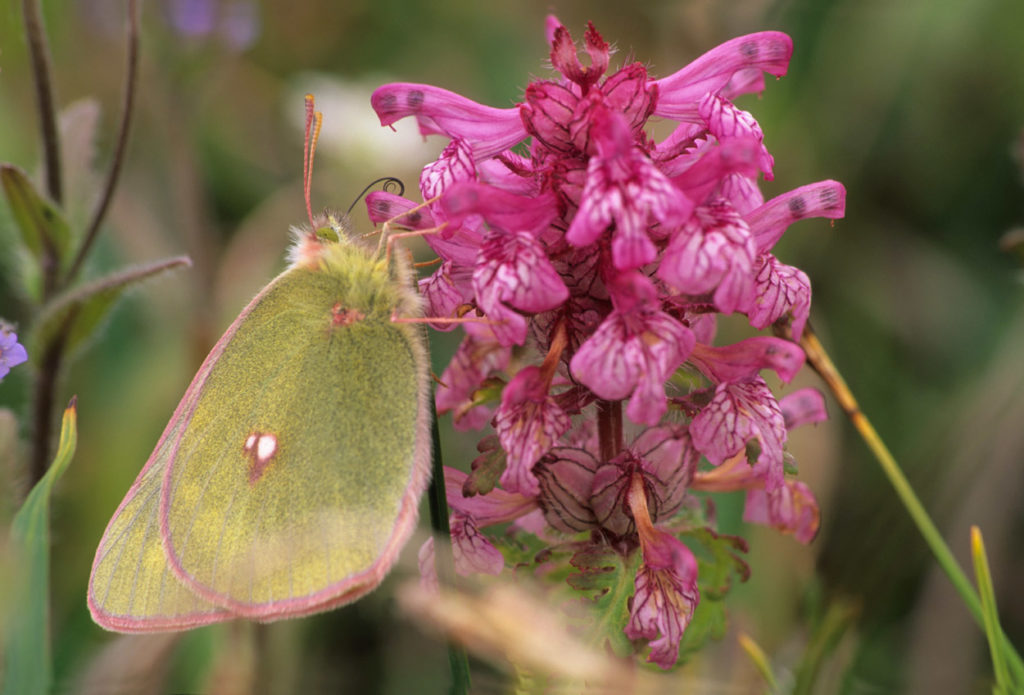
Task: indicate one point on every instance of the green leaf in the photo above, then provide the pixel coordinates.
(607, 578)
(43, 227)
(28, 664)
(718, 558)
(75, 316)
(486, 469)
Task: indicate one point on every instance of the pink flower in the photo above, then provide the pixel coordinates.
(624, 191)
(666, 591)
(634, 350)
(528, 423)
(594, 262)
(513, 277)
(485, 130)
(741, 412)
(714, 251)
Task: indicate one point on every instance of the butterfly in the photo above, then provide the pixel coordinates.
(289, 476)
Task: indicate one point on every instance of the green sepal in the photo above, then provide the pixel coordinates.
(28, 664)
(44, 231)
(606, 578)
(485, 469)
(75, 315)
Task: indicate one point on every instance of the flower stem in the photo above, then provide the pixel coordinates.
(40, 55)
(820, 361)
(127, 108)
(443, 559)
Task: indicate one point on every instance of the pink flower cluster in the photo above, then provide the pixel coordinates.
(608, 255)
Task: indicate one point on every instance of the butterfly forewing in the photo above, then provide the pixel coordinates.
(132, 587)
(299, 495)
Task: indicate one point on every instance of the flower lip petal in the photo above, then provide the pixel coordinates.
(679, 93)
(486, 129)
(746, 358)
(822, 199)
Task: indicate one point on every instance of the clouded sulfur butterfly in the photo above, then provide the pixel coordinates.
(289, 477)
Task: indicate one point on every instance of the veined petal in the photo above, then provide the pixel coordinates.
(779, 290)
(485, 129)
(529, 423)
(382, 207)
(738, 413)
(472, 552)
(790, 508)
(454, 164)
(634, 351)
(679, 93)
(444, 295)
(514, 275)
(746, 358)
(496, 507)
(724, 121)
(713, 251)
(665, 597)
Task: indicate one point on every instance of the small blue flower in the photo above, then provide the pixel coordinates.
(12, 353)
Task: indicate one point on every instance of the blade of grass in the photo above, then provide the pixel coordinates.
(989, 612)
(29, 668)
(822, 363)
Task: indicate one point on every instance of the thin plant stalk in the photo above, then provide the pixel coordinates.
(443, 558)
(822, 363)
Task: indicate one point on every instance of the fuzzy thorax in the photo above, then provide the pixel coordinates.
(374, 283)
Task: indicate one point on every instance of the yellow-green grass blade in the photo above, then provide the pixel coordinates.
(28, 666)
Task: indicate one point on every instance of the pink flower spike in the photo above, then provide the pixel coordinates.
(742, 360)
(634, 351)
(738, 413)
(791, 508)
(680, 93)
(780, 290)
(528, 423)
(515, 275)
(485, 129)
(822, 199)
(803, 407)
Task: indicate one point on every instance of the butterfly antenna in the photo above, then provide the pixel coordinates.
(390, 183)
(314, 119)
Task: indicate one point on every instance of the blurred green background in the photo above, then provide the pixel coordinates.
(917, 107)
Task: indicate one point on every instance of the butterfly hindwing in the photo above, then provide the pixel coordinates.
(299, 495)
